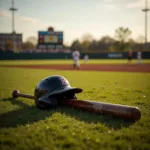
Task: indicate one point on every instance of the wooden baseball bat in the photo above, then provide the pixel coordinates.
(122, 111)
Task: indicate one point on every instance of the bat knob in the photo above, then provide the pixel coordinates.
(15, 93)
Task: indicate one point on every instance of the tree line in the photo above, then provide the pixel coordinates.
(121, 42)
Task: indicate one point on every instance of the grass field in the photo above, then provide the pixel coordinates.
(93, 61)
(23, 126)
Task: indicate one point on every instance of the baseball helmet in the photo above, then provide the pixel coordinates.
(51, 90)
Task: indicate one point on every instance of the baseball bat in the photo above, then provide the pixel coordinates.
(122, 111)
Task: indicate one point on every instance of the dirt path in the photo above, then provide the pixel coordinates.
(91, 67)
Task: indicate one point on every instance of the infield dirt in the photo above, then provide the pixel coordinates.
(90, 67)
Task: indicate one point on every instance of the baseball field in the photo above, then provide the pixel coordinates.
(23, 126)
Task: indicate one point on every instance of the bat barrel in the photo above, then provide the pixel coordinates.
(123, 111)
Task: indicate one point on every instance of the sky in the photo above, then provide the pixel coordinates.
(75, 17)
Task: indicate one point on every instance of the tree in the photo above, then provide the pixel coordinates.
(118, 46)
(85, 45)
(105, 43)
(32, 40)
(107, 40)
(76, 44)
(30, 43)
(114, 46)
(27, 46)
(93, 45)
(122, 36)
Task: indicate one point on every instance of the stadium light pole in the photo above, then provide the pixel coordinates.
(145, 10)
(13, 23)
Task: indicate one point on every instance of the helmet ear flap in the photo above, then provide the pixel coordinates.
(53, 100)
(48, 102)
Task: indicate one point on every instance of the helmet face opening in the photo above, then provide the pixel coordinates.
(53, 100)
(66, 95)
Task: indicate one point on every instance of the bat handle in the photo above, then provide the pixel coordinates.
(16, 94)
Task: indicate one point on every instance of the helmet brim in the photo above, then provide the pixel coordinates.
(67, 89)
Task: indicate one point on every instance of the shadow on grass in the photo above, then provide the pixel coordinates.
(29, 114)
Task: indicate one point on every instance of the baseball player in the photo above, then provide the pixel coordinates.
(139, 57)
(76, 57)
(129, 57)
(86, 58)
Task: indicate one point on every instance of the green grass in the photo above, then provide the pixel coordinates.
(23, 126)
(93, 61)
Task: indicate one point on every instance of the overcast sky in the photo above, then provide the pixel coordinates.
(75, 17)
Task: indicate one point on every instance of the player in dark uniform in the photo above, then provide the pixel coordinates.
(129, 57)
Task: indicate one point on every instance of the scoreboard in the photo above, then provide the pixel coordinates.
(50, 39)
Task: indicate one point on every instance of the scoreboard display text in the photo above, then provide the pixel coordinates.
(47, 39)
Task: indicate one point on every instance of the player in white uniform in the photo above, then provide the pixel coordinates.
(86, 58)
(139, 57)
(76, 57)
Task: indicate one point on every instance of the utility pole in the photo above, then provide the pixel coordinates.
(13, 23)
(145, 10)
